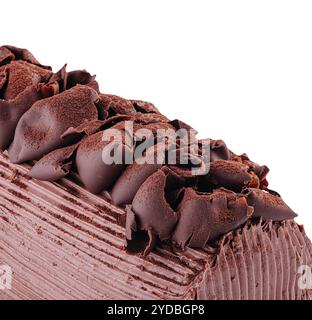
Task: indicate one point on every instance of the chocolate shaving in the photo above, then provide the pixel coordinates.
(115, 105)
(229, 174)
(144, 107)
(205, 217)
(55, 165)
(92, 161)
(11, 111)
(20, 54)
(151, 208)
(127, 185)
(268, 206)
(67, 80)
(40, 129)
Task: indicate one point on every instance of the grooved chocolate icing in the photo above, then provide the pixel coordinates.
(262, 261)
(61, 122)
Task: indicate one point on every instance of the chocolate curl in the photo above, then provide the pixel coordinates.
(260, 171)
(219, 150)
(11, 111)
(205, 217)
(87, 128)
(229, 174)
(10, 53)
(68, 80)
(144, 107)
(6, 56)
(40, 129)
(133, 177)
(116, 105)
(267, 205)
(151, 208)
(18, 76)
(127, 185)
(94, 161)
(57, 164)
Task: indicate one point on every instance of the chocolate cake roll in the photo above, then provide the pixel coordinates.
(103, 197)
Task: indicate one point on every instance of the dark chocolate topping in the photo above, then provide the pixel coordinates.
(130, 181)
(22, 82)
(11, 111)
(96, 174)
(144, 106)
(268, 206)
(18, 76)
(151, 207)
(204, 217)
(116, 105)
(64, 131)
(55, 165)
(67, 80)
(40, 129)
(229, 174)
(9, 53)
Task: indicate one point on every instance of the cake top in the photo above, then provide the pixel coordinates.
(174, 187)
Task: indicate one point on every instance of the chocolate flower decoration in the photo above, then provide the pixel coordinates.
(150, 210)
(268, 205)
(40, 129)
(204, 217)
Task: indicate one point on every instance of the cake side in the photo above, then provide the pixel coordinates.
(63, 242)
(258, 262)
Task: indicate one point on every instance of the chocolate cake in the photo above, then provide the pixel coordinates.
(76, 225)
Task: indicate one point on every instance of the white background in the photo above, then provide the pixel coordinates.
(236, 70)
